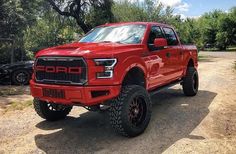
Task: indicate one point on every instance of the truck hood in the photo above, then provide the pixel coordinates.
(89, 50)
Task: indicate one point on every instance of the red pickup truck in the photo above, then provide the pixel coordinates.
(115, 67)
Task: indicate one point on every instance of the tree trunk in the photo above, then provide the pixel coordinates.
(12, 51)
(86, 28)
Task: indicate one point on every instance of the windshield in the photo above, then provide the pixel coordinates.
(127, 34)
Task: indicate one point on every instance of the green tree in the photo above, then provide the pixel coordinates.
(226, 30)
(217, 28)
(51, 29)
(15, 17)
(124, 11)
(87, 13)
(147, 10)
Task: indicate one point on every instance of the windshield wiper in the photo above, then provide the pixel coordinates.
(105, 42)
(110, 42)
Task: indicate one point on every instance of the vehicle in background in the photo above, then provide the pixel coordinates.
(18, 73)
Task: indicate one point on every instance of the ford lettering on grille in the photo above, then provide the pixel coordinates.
(60, 70)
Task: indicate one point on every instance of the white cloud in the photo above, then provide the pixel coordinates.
(179, 5)
(183, 7)
(176, 4)
(171, 3)
(184, 17)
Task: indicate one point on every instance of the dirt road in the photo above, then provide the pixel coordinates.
(202, 124)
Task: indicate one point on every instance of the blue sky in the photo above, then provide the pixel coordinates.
(195, 8)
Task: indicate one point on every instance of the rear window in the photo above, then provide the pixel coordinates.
(170, 36)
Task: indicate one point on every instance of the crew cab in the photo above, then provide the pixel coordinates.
(115, 66)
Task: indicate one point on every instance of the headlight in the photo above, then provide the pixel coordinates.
(108, 64)
(105, 62)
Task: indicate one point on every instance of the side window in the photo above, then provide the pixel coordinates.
(170, 36)
(155, 33)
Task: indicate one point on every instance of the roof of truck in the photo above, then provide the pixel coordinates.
(142, 23)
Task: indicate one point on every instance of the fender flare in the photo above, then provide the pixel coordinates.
(130, 64)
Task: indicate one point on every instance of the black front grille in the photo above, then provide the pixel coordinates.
(60, 77)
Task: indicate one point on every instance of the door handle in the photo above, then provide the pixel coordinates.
(168, 55)
(145, 54)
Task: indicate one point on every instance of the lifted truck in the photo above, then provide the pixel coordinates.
(117, 66)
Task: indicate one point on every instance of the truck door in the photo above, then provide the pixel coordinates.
(174, 54)
(158, 61)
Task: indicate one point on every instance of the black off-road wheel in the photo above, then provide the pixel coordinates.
(51, 111)
(20, 77)
(191, 82)
(130, 113)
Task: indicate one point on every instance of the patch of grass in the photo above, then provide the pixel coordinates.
(211, 49)
(6, 91)
(235, 65)
(230, 49)
(233, 48)
(202, 57)
(18, 105)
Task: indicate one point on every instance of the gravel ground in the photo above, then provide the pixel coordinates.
(205, 123)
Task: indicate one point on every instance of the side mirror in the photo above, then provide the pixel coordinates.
(160, 42)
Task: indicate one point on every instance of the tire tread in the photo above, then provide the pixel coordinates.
(187, 82)
(43, 112)
(116, 111)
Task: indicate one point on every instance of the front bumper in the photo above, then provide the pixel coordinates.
(76, 95)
